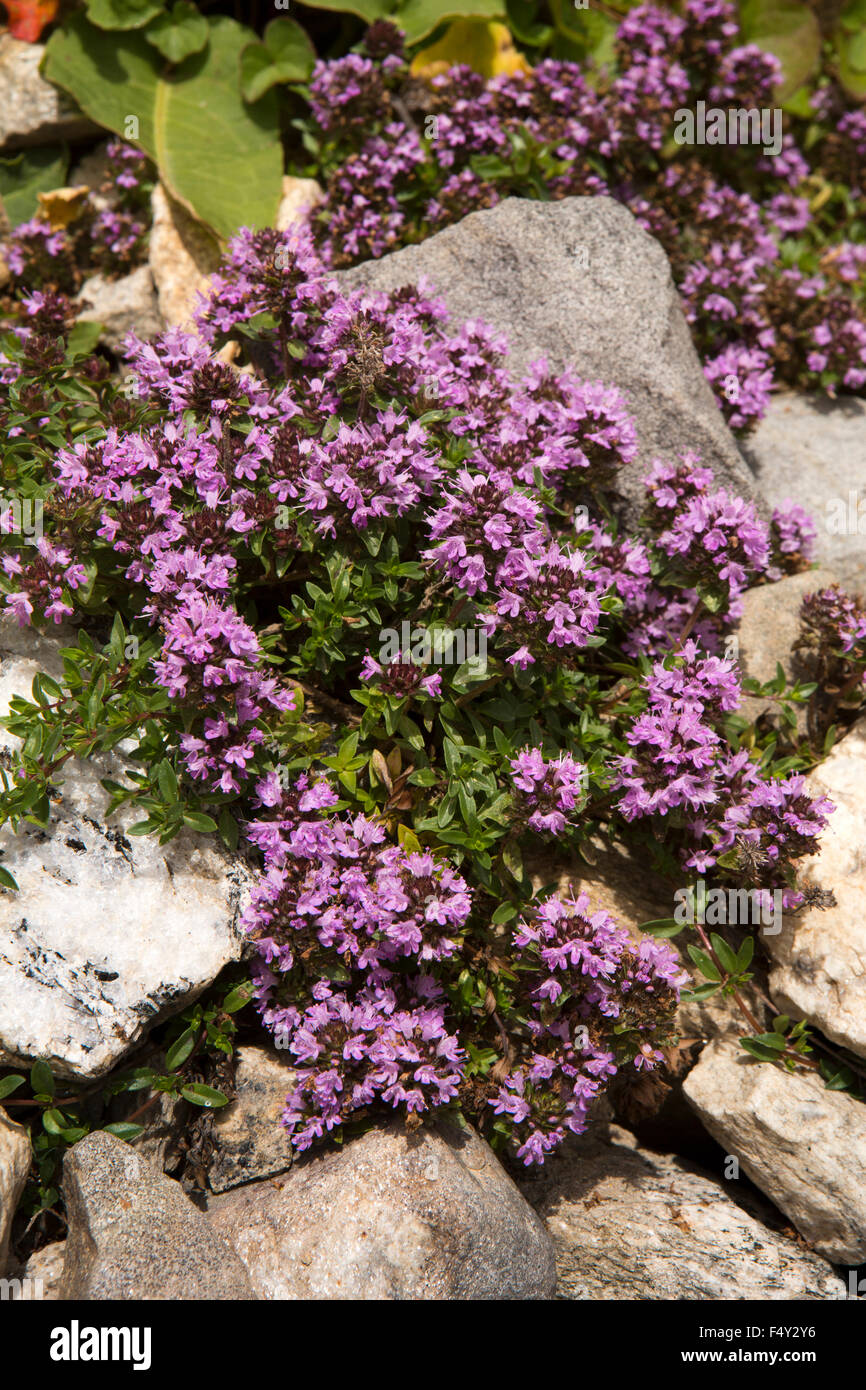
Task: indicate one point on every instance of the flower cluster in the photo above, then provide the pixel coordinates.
(229, 540)
(402, 156)
(581, 971)
(107, 233)
(547, 792)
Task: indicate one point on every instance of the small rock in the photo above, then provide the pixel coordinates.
(801, 1144)
(108, 935)
(250, 1141)
(628, 1223)
(133, 1234)
(122, 306)
(183, 254)
(820, 956)
(811, 450)
(32, 111)
(299, 198)
(613, 315)
(39, 1279)
(430, 1215)
(15, 1158)
(768, 629)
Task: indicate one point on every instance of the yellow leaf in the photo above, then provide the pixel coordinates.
(62, 205)
(486, 47)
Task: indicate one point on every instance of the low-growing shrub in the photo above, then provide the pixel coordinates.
(271, 566)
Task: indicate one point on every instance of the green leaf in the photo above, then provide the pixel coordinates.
(183, 118)
(122, 14)
(9, 1084)
(197, 820)
(24, 175)
(662, 926)
(122, 1129)
(776, 1042)
(178, 34)
(789, 29)
(724, 953)
(705, 963)
(166, 778)
(758, 1048)
(111, 76)
(285, 55)
(228, 827)
(237, 998)
(418, 18)
(180, 1049)
(206, 1096)
(7, 881)
(82, 339)
(699, 993)
(369, 10)
(41, 1079)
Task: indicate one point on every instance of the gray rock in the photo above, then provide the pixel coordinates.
(628, 1223)
(768, 629)
(812, 451)
(820, 956)
(32, 111)
(133, 1234)
(14, 1166)
(250, 1141)
(39, 1279)
(108, 935)
(619, 320)
(122, 306)
(393, 1215)
(802, 1145)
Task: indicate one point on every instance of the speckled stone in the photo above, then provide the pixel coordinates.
(134, 1234)
(580, 283)
(392, 1215)
(109, 933)
(14, 1166)
(629, 1223)
(802, 1145)
(250, 1141)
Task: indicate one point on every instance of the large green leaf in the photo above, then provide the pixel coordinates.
(789, 29)
(218, 157)
(370, 10)
(112, 76)
(24, 175)
(418, 18)
(122, 14)
(851, 47)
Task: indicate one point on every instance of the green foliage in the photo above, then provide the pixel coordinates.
(417, 18)
(26, 174)
(284, 55)
(788, 29)
(850, 42)
(59, 1113)
(179, 32)
(184, 116)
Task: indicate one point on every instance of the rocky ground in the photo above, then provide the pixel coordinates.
(729, 1180)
